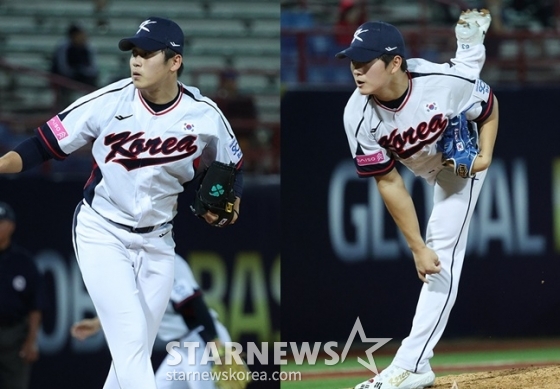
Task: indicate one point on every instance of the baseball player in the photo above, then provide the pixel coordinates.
(150, 134)
(186, 319)
(400, 111)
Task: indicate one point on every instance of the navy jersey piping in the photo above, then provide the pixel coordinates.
(461, 232)
(62, 115)
(188, 93)
(415, 75)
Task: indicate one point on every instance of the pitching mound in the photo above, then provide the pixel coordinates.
(518, 378)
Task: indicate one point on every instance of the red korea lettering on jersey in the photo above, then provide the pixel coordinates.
(130, 146)
(415, 138)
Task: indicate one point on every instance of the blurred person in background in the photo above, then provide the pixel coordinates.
(531, 14)
(20, 307)
(100, 7)
(351, 15)
(240, 110)
(74, 58)
(187, 319)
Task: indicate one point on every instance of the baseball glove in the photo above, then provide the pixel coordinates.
(458, 146)
(232, 375)
(215, 193)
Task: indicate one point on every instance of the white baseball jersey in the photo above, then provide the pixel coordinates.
(141, 157)
(378, 135)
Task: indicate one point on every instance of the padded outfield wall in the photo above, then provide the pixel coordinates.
(238, 268)
(341, 243)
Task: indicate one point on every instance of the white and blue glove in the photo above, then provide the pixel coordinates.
(458, 146)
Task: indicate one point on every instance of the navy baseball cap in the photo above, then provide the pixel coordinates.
(6, 212)
(156, 34)
(372, 40)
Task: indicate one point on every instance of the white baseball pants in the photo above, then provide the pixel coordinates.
(190, 371)
(129, 277)
(446, 234)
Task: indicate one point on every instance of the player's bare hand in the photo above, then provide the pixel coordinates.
(482, 162)
(29, 351)
(85, 328)
(210, 217)
(427, 262)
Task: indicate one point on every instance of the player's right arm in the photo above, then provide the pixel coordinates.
(28, 154)
(401, 207)
(11, 163)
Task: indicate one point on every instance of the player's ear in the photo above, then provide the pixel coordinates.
(396, 63)
(177, 61)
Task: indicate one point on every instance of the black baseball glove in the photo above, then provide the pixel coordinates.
(215, 193)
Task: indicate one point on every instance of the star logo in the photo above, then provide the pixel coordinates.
(379, 342)
(357, 34)
(143, 25)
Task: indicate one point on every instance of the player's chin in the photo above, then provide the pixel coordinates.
(364, 88)
(138, 82)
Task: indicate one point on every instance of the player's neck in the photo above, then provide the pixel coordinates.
(161, 94)
(395, 89)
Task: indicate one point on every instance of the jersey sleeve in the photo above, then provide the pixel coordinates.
(469, 61)
(72, 128)
(222, 145)
(477, 101)
(370, 158)
(185, 286)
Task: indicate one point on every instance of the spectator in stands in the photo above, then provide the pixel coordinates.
(351, 15)
(75, 59)
(20, 307)
(239, 109)
(99, 11)
(532, 14)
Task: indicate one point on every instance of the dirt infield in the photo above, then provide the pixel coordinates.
(517, 378)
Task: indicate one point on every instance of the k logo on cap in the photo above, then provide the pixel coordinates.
(372, 40)
(156, 34)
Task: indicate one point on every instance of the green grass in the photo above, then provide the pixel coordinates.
(480, 360)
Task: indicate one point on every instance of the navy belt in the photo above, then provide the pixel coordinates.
(140, 230)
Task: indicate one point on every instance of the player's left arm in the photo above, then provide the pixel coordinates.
(226, 149)
(488, 131)
(470, 32)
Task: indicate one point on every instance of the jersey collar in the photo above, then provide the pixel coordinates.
(401, 106)
(175, 104)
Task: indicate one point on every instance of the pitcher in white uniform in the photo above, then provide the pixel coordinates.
(150, 135)
(398, 112)
(186, 319)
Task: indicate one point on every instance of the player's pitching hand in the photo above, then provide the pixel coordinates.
(427, 262)
(85, 328)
